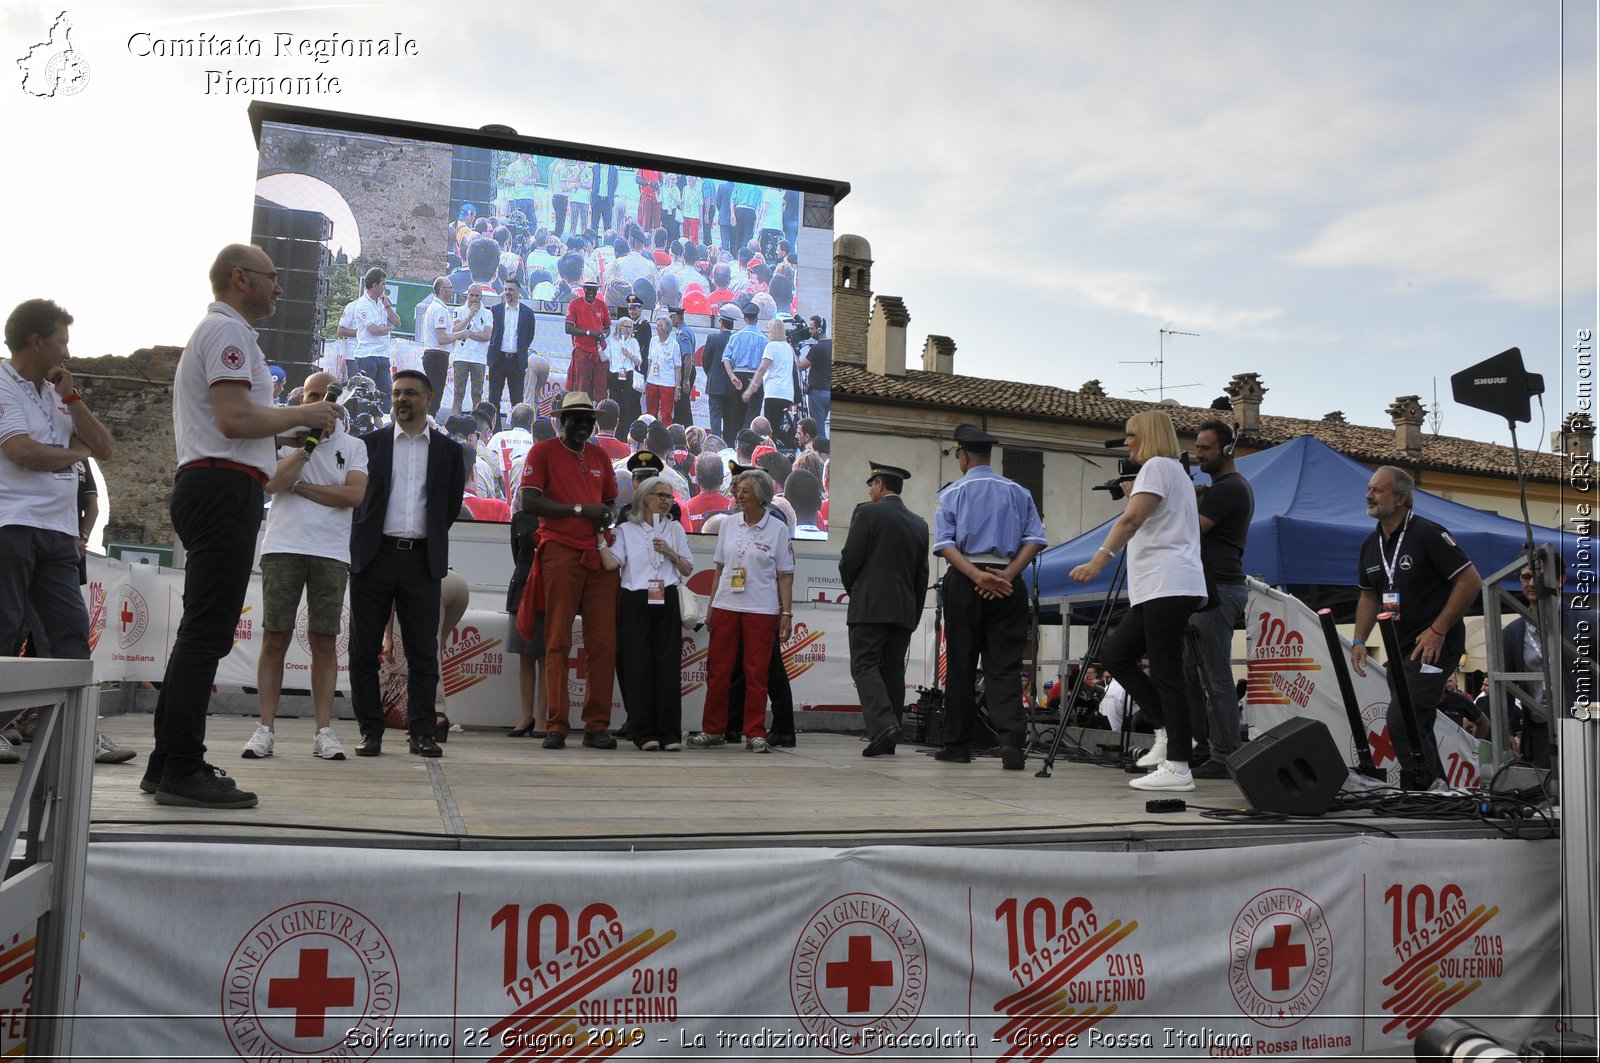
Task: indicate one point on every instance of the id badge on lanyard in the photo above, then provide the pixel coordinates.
(655, 592)
(736, 580)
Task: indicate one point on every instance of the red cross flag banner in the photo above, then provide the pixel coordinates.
(1290, 675)
(1321, 949)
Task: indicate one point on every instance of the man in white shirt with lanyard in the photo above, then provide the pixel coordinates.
(223, 422)
(45, 430)
(369, 320)
(306, 546)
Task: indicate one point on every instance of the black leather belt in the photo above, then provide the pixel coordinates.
(403, 544)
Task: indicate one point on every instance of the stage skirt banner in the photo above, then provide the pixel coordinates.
(1319, 949)
(134, 612)
(1291, 674)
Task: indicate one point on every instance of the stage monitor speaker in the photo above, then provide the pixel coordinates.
(308, 256)
(1294, 768)
(1498, 385)
(271, 220)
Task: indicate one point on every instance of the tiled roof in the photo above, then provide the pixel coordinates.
(1011, 398)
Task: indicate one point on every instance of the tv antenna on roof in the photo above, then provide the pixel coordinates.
(1161, 364)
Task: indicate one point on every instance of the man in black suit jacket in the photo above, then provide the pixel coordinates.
(399, 553)
(884, 566)
(508, 369)
(1524, 652)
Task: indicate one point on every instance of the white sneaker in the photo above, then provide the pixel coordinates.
(757, 745)
(8, 753)
(1158, 751)
(260, 745)
(326, 745)
(1167, 776)
(701, 740)
(108, 752)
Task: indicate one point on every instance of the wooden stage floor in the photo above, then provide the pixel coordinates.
(494, 792)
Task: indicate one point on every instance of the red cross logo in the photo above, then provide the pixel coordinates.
(311, 993)
(858, 974)
(1382, 748)
(1280, 956)
(579, 663)
(126, 615)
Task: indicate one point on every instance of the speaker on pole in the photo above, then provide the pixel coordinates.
(1294, 768)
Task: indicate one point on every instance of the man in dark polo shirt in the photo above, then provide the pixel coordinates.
(1411, 567)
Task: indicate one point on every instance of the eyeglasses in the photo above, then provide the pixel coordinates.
(273, 276)
(1526, 577)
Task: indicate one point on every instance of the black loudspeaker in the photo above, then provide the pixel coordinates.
(287, 223)
(306, 256)
(282, 347)
(1294, 768)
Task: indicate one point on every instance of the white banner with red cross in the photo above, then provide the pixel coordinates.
(1334, 948)
(1291, 674)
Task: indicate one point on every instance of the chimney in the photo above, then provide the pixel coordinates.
(852, 299)
(1576, 438)
(1091, 389)
(1336, 417)
(1244, 392)
(939, 355)
(1407, 414)
(886, 336)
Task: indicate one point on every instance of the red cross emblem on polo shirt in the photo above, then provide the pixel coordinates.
(859, 974)
(1280, 956)
(1382, 748)
(311, 993)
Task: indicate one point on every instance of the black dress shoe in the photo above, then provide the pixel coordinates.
(882, 744)
(555, 740)
(780, 741)
(733, 737)
(599, 740)
(1211, 769)
(953, 756)
(425, 746)
(369, 746)
(1012, 758)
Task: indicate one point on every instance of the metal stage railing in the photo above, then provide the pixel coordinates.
(42, 892)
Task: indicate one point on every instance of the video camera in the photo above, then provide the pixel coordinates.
(1128, 470)
(1448, 1040)
(365, 402)
(797, 330)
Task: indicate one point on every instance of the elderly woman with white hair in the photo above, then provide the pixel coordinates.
(750, 607)
(654, 559)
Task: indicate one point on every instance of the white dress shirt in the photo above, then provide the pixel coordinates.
(407, 515)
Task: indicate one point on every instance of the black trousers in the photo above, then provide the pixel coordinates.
(878, 666)
(1155, 628)
(396, 579)
(506, 371)
(216, 513)
(436, 364)
(619, 389)
(649, 666)
(779, 693)
(715, 405)
(993, 630)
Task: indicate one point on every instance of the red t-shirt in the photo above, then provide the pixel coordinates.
(571, 479)
(587, 315)
(822, 516)
(488, 509)
(703, 505)
(615, 448)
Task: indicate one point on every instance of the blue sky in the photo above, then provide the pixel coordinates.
(1352, 199)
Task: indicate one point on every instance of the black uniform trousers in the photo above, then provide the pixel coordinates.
(506, 372)
(216, 513)
(878, 666)
(396, 579)
(649, 666)
(995, 631)
(436, 364)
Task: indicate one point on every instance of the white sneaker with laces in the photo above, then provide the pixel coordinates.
(1158, 751)
(8, 753)
(108, 752)
(757, 745)
(260, 745)
(1166, 776)
(326, 745)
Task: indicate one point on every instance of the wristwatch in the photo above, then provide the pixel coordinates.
(577, 509)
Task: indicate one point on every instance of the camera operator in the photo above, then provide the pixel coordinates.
(1161, 529)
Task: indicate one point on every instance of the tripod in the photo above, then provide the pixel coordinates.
(1097, 634)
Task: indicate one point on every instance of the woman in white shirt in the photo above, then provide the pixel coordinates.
(1161, 529)
(774, 378)
(661, 383)
(654, 557)
(622, 354)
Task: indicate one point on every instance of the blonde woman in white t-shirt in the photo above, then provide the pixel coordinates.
(1161, 529)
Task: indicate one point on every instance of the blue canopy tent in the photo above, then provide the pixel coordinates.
(1310, 520)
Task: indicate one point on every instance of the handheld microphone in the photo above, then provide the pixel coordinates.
(332, 395)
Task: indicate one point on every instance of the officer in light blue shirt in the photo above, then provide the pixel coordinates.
(988, 529)
(740, 359)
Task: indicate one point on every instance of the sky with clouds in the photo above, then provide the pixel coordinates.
(1353, 199)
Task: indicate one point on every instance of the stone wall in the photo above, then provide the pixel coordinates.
(399, 192)
(132, 396)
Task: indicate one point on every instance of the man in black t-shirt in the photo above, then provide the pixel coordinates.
(1226, 508)
(1412, 567)
(818, 364)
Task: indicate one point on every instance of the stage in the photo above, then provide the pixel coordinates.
(493, 792)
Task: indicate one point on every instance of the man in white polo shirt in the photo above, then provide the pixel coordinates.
(315, 489)
(471, 359)
(440, 333)
(223, 422)
(369, 320)
(45, 430)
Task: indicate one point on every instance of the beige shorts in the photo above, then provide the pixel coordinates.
(284, 576)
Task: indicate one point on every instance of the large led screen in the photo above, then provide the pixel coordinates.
(622, 259)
